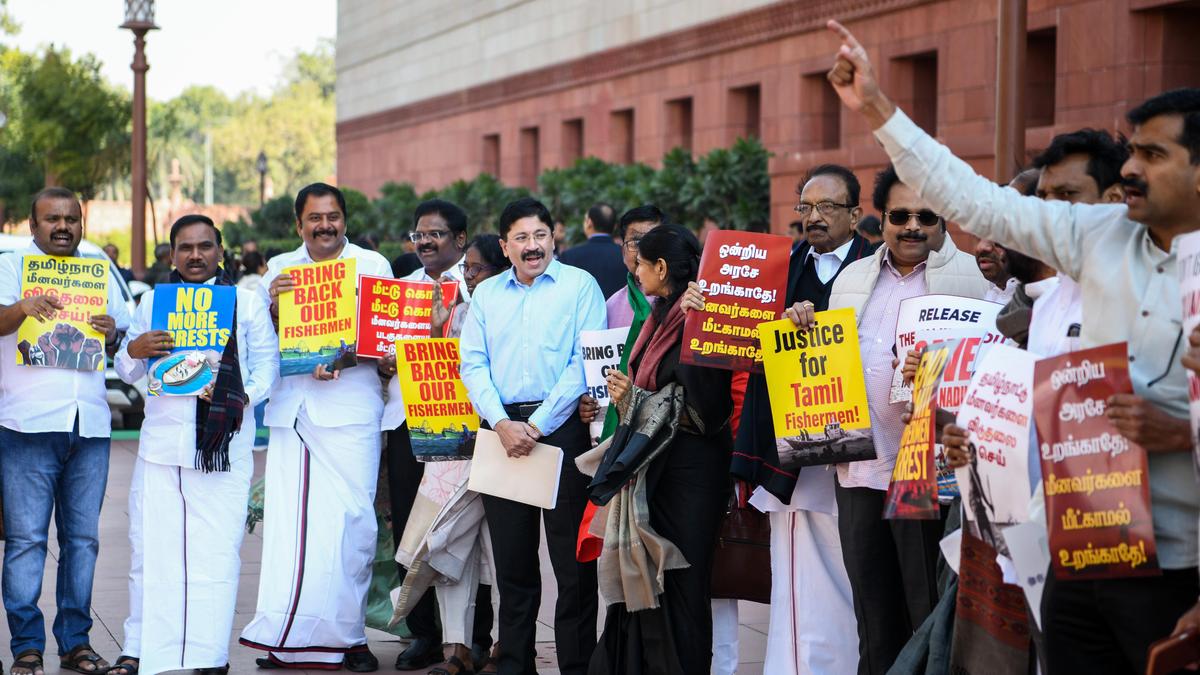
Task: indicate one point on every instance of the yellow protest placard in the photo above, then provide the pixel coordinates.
(316, 319)
(814, 376)
(441, 420)
(68, 340)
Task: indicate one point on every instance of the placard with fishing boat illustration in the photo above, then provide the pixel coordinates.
(200, 320)
(317, 318)
(442, 423)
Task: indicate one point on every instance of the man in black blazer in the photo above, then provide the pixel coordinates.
(599, 255)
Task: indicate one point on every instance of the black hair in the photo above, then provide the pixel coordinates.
(252, 261)
(853, 189)
(405, 264)
(455, 217)
(193, 219)
(162, 251)
(1184, 102)
(680, 249)
(1021, 266)
(870, 225)
(602, 216)
(884, 180)
(1026, 182)
(319, 190)
(524, 207)
(1105, 154)
(51, 193)
(646, 213)
(488, 245)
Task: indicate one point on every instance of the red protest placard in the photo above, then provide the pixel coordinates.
(913, 492)
(743, 275)
(1096, 480)
(391, 309)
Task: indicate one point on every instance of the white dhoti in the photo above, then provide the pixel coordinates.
(182, 594)
(319, 534)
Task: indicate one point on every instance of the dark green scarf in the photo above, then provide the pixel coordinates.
(641, 310)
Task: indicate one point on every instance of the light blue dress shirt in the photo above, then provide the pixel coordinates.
(521, 343)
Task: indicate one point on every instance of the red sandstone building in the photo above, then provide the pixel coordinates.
(430, 92)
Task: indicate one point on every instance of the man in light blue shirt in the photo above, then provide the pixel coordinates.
(523, 367)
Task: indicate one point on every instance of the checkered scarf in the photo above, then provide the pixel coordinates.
(218, 419)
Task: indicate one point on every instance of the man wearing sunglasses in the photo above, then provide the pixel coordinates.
(1124, 258)
(892, 563)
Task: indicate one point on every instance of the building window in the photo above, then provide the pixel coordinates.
(679, 124)
(491, 154)
(530, 157)
(620, 136)
(917, 90)
(572, 141)
(820, 114)
(1180, 57)
(1041, 54)
(745, 112)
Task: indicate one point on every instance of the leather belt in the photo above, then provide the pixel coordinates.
(521, 411)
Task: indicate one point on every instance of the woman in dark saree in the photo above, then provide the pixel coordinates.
(686, 484)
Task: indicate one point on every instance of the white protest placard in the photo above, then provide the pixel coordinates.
(928, 319)
(1188, 256)
(1027, 544)
(997, 412)
(602, 351)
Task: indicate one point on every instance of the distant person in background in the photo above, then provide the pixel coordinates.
(870, 229)
(560, 238)
(405, 264)
(253, 267)
(160, 271)
(113, 253)
(250, 246)
(796, 230)
(599, 256)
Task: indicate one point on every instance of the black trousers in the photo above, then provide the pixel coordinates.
(404, 476)
(892, 566)
(515, 541)
(1107, 626)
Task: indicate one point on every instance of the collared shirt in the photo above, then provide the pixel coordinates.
(356, 397)
(999, 295)
(393, 410)
(618, 309)
(828, 264)
(876, 340)
(169, 431)
(1057, 316)
(521, 343)
(40, 400)
(1125, 280)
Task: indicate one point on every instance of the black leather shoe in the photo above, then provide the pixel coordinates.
(479, 655)
(421, 653)
(267, 664)
(361, 661)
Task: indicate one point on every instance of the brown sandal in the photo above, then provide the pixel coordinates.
(125, 665)
(83, 654)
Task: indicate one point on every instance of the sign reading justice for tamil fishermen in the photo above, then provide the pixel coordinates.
(68, 340)
(1096, 480)
(441, 420)
(817, 392)
(742, 275)
(913, 492)
(316, 319)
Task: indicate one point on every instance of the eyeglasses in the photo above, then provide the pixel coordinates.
(925, 217)
(472, 271)
(631, 245)
(539, 237)
(433, 235)
(824, 208)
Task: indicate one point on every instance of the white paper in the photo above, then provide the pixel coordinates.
(997, 412)
(951, 546)
(602, 351)
(532, 479)
(1031, 557)
(929, 319)
(1188, 255)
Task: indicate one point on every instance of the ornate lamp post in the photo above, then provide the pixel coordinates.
(139, 18)
(261, 167)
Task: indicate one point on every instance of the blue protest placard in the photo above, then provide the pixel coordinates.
(200, 320)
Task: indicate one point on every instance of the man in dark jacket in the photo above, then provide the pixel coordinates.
(599, 256)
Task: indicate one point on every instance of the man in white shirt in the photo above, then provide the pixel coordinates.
(1124, 260)
(187, 516)
(322, 470)
(54, 432)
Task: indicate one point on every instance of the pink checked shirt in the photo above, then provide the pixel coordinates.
(876, 337)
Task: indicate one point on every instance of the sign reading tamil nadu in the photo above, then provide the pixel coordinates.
(68, 340)
(316, 319)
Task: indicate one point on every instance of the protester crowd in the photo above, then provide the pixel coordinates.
(1081, 251)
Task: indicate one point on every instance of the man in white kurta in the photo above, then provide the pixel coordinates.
(319, 524)
(186, 525)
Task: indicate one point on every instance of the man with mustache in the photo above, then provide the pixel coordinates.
(439, 235)
(892, 563)
(599, 255)
(1124, 260)
(54, 437)
(992, 260)
(187, 502)
(523, 368)
(322, 470)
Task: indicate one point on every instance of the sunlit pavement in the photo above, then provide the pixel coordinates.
(110, 597)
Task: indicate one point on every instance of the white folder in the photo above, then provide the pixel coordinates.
(532, 479)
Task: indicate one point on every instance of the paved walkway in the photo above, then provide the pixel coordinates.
(110, 598)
